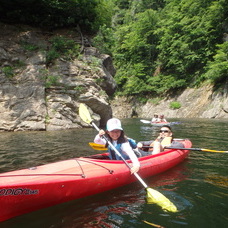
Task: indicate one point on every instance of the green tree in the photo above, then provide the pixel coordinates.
(89, 14)
(166, 47)
(189, 33)
(217, 70)
(135, 51)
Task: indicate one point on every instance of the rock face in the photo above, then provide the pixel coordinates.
(201, 102)
(37, 96)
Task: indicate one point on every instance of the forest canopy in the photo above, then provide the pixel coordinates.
(158, 46)
(89, 14)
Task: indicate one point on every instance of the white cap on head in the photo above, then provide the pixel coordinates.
(114, 124)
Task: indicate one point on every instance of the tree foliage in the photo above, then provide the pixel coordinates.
(217, 69)
(89, 14)
(158, 46)
(162, 46)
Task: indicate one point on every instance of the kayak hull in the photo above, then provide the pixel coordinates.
(27, 190)
(160, 123)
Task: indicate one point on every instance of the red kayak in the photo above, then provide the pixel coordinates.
(39, 187)
(155, 123)
(160, 123)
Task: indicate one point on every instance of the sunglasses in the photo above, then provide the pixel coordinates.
(165, 131)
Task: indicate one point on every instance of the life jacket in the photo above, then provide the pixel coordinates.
(114, 156)
(164, 142)
(133, 143)
(155, 120)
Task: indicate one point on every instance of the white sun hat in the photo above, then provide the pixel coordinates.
(114, 124)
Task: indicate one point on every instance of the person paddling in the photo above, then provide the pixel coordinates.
(116, 135)
(162, 118)
(155, 119)
(165, 138)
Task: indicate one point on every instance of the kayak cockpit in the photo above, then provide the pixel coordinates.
(103, 156)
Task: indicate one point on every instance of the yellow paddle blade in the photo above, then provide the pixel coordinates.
(96, 146)
(84, 114)
(153, 224)
(156, 197)
(216, 151)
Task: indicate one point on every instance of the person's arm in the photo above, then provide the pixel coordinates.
(132, 142)
(144, 143)
(98, 139)
(126, 148)
(177, 144)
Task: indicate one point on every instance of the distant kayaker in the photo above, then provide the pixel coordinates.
(119, 140)
(162, 118)
(155, 119)
(165, 138)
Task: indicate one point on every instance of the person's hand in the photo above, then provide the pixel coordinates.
(101, 132)
(139, 145)
(159, 138)
(134, 169)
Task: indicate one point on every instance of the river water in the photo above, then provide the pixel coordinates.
(198, 186)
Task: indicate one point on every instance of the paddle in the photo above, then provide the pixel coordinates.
(145, 121)
(195, 149)
(96, 146)
(153, 196)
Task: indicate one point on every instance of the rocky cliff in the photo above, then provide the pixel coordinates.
(203, 102)
(37, 95)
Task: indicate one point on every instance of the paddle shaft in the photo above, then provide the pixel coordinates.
(119, 154)
(194, 149)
